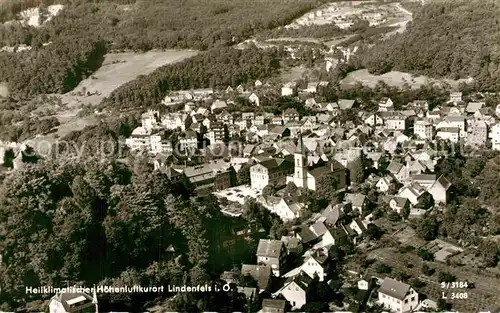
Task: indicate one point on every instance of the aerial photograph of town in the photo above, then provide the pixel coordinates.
(256, 156)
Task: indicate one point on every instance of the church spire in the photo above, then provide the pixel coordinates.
(301, 148)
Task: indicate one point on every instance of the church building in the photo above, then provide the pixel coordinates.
(306, 176)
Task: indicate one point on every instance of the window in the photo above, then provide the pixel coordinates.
(406, 301)
(412, 299)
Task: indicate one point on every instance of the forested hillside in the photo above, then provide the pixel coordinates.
(216, 68)
(82, 33)
(163, 23)
(56, 68)
(456, 39)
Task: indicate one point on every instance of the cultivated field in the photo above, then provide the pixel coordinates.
(394, 78)
(119, 68)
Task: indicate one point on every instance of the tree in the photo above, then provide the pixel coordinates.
(373, 232)
(326, 186)
(425, 255)
(383, 268)
(425, 201)
(269, 190)
(443, 305)
(427, 271)
(243, 175)
(428, 227)
(446, 277)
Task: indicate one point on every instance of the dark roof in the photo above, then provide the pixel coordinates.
(394, 288)
(261, 274)
(290, 111)
(307, 235)
(303, 280)
(273, 304)
(269, 248)
(272, 163)
(301, 148)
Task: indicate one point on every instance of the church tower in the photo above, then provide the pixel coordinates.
(301, 164)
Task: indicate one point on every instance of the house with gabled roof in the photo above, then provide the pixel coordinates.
(295, 290)
(273, 306)
(260, 273)
(345, 104)
(72, 303)
(271, 253)
(399, 172)
(397, 296)
(385, 104)
(440, 190)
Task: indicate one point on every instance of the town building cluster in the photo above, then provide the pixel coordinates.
(286, 149)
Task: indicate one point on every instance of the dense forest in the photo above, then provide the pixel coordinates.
(55, 68)
(104, 222)
(144, 25)
(455, 39)
(215, 68)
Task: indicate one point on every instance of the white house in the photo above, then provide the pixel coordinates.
(452, 134)
(384, 183)
(397, 296)
(72, 303)
(412, 193)
(295, 290)
(455, 97)
(289, 89)
(395, 122)
(385, 104)
(453, 122)
(439, 190)
(423, 129)
(495, 136)
(271, 253)
(254, 99)
(374, 120)
(315, 265)
(399, 171)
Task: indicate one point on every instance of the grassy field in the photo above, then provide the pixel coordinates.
(119, 68)
(394, 78)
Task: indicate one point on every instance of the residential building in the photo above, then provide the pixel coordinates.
(270, 172)
(345, 104)
(395, 121)
(399, 172)
(271, 253)
(397, 296)
(453, 122)
(449, 133)
(495, 137)
(72, 303)
(160, 144)
(455, 97)
(188, 140)
(315, 265)
(439, 190)
(477, 133)
(399, 204)
(273, 306)
(423, 129)
(290, 114)
(289, 89)
(385, 104)
(260, 273)
(374, 119)
(139, 139)
(295, 290)
(287, 210)
(254, 99)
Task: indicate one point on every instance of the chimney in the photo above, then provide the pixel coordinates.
(331, 166)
